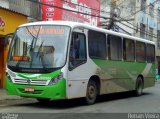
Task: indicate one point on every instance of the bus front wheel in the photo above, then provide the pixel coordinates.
(91, 93)
(139, 87)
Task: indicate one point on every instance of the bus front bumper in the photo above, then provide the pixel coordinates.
(56, 91)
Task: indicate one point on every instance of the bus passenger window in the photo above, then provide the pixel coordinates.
(115, 47)
(128, 50)
(140, 51)
(150, 53)
(97, 44)
(77, 54)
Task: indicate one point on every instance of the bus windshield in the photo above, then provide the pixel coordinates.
(39, 47)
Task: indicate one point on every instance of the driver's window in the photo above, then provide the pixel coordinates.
(77, 54)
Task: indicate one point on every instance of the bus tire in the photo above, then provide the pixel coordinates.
(139, 87)
(41, 100)
(91, 93)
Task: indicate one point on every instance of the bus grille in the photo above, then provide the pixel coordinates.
(31, 82)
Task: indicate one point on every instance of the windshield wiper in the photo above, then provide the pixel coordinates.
(34, 37)
(35, 44)
(41, 56)
(40, 48)
(18, 63)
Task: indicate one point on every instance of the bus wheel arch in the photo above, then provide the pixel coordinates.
(139, 85)
(92, 90)
(96, 79)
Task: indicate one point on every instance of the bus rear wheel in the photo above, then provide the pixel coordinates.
(91, 93)
(139, 87)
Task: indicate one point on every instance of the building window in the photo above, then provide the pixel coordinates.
(142, 30)
(143, 5)
(158, 44)
(151, 10)
(150, 53)
(158, 11)
(97, 44)
(158, 39)
(128, 50)
(115, 47)
(151, 34)
(140, 52)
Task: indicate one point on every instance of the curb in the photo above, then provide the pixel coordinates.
(157, 82)
(10, 98)
(5, 96)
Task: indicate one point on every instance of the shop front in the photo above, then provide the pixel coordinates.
(9, 21)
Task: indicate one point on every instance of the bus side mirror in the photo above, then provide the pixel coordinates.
(7, 38)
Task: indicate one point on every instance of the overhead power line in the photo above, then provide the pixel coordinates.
(99, 16)
(85, 7)
(122, 19)
(140, 9)
(139, 30)
(136, 28)
(42, 3)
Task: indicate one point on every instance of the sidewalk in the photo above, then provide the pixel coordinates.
(5, 96)
(157, 81)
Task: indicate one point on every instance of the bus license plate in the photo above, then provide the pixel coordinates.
(29, 89)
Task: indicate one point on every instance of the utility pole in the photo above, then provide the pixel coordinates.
(112, 15)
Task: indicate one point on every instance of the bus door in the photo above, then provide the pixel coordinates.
(77, 64)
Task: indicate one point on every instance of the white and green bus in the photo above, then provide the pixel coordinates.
(64, 60)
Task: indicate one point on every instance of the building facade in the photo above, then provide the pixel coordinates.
(12, 14)
(27, 7)
(84, 11)
(9, 21)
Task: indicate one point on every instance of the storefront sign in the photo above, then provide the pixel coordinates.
(10, 20)
(2, 24)
(57, 31)
(86, 11)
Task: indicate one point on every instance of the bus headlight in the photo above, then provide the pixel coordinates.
(56, 79)
(8, 77)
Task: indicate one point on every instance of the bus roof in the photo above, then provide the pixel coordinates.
(77, 24)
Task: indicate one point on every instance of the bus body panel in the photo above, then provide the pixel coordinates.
(117, 76)
(78, 79)
(37, 82)
(57, 91)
